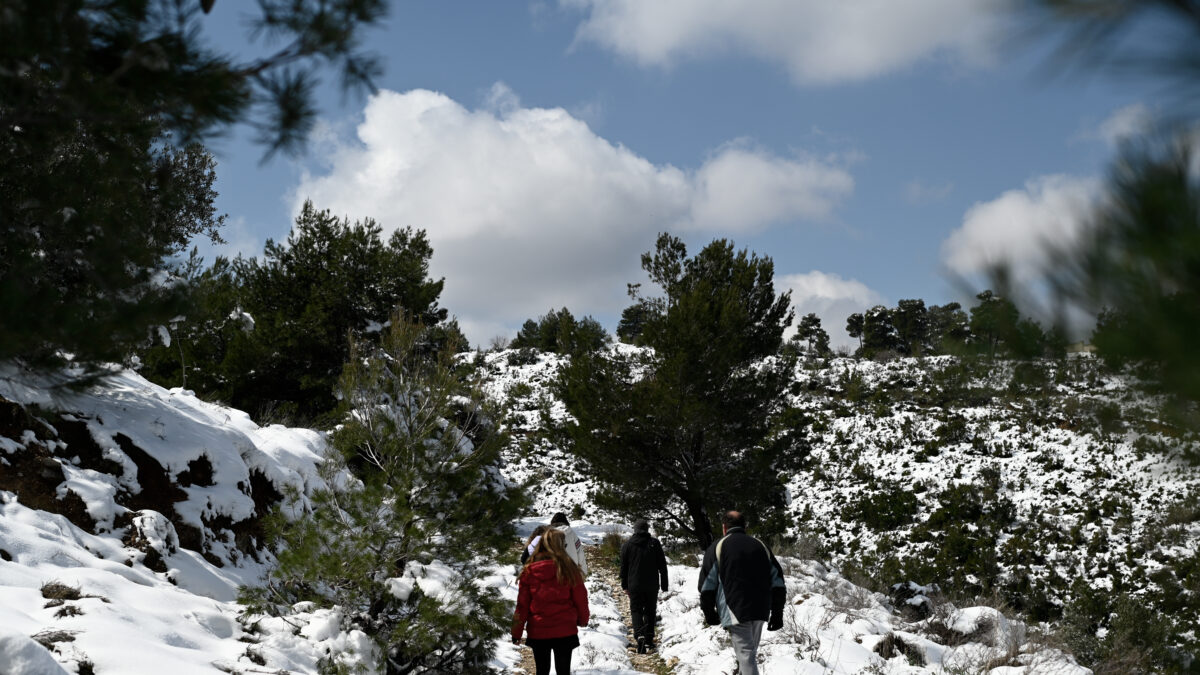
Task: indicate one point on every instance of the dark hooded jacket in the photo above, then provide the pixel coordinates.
(740, 580)
(643, 564)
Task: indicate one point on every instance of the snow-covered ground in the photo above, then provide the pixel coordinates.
(153, 592)
(90, 593)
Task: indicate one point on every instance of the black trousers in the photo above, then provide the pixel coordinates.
(562, 659)
(643, 605)
(561, 647)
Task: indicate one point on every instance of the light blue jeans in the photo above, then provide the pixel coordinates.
(745, 637)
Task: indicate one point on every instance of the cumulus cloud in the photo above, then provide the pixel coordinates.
(1020, 227)
(528, 209)
(817, 41)
(830, 297)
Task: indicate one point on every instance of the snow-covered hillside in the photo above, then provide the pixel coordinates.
(129, 516)
(1031, 485)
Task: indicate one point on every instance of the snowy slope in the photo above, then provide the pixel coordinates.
(128, 519)
(160, 493)
(831, 625)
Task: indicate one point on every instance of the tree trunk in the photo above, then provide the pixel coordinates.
(701, 525)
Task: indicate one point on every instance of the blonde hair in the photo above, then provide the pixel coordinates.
(553, 546)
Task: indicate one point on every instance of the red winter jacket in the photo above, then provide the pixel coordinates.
(547, 608)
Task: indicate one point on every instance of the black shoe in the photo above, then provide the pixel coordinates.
(641, 645)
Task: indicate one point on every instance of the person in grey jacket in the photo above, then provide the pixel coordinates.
(643, 573)
(741, 588)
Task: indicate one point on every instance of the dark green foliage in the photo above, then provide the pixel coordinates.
(633, 320)
(910, 329)
(948, 328)
(1143, 265)
(1139, 265)
(559, 332)
(911, 320)
(89, 218)
(994, 322)
(111, 64)
(100, 182)
(885, 507)
(854, 327)
(814, 336)
(1135, 636)
(270, 337)
(212, 327)
(959, 540)
(424, 451)
(686, 429)
(878, 332)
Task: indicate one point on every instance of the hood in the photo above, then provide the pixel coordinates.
(543, 570)
(639, 537)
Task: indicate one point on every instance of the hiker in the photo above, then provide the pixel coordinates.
(742, 587)
(643, 573)
(551, 604)
(532, 542)
(574, 545)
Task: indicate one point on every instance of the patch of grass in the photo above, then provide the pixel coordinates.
(54, 590)
(610, 546)
(68, 610)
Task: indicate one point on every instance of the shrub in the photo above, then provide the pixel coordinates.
(425, 498)
(891, 507)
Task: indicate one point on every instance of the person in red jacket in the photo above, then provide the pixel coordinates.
(551, 604)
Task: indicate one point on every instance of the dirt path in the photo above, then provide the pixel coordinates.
(605, 568)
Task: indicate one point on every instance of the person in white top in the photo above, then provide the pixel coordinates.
(574, 545)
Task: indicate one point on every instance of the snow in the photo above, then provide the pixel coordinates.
(131, 619)
(21, 654)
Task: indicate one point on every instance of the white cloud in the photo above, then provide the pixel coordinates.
(817, 41)
(830, 297)
(528, 209)
(1020, 227)
(745, 189)
(1127, 122)
(918, 192)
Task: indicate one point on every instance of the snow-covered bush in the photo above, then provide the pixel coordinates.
(396, 544)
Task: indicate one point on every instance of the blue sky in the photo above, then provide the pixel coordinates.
(869, 147)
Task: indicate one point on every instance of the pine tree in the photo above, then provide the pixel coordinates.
(398, 547)
(814, 335)
(559, 332)
(854, 328)
(101, 182)
(878, 332)
(688, 426)
(994, 321)
(911, 320)
(948, 328)
(633, 320)
(330, 282)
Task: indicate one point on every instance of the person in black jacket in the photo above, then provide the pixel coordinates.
(643, 573)
(741, 588)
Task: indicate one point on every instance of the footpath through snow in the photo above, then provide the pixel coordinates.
(831, 627)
